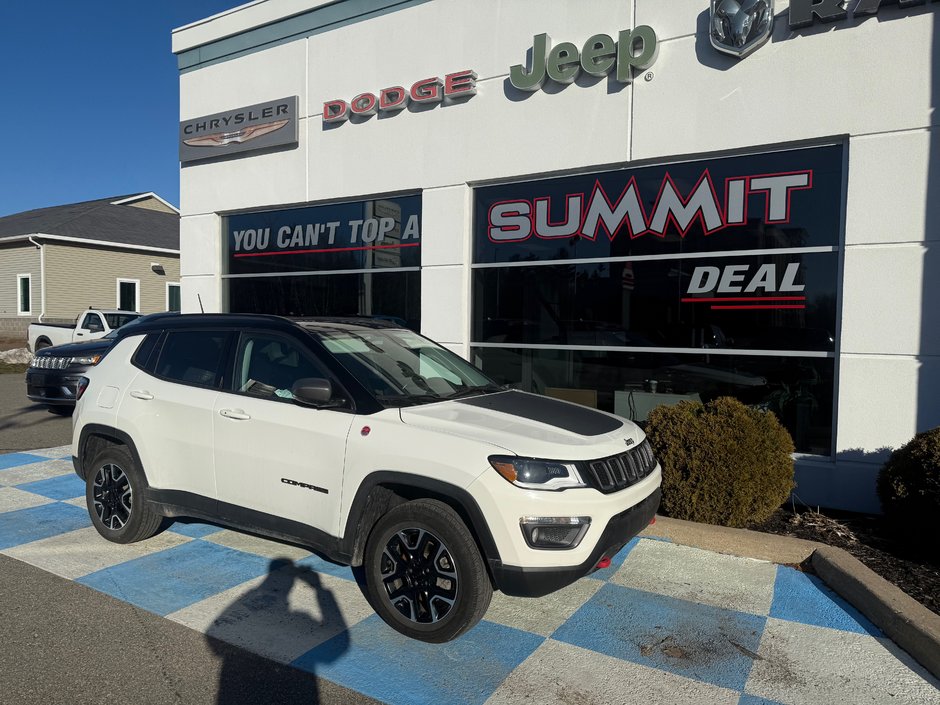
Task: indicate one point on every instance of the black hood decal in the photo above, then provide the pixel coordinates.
(561, 414)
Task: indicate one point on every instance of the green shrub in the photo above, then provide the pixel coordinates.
(909, 486)
(723, 462)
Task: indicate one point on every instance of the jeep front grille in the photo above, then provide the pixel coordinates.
(49, 362)
(622, 470)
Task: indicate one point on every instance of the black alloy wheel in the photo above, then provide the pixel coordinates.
(112, 496)
(419, 575)
(423, 571)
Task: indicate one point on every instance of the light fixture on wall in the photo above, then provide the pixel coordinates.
(157, 268)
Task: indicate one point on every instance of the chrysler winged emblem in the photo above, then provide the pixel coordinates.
(738, 27)
(220, 139)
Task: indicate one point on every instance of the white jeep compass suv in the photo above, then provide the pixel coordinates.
(369, 443)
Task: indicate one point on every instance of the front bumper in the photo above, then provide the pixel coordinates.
(52, 386)
(538, 581)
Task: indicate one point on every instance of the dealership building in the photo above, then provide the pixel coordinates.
(622, 204)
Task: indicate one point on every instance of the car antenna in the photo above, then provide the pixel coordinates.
(201, 309)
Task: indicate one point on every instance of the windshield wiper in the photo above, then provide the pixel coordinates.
(474, 391)
(408, 399)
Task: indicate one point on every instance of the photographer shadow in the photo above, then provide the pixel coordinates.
(262, 620)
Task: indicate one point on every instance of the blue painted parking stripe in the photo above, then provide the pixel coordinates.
(61, 487)
(321, 565)
(27, 525)
(803, 598)
(14, 460)
(194, 529)
(170, 580)
(689, 639)
(372, 658)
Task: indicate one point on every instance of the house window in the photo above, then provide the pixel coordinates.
(24, 296)
(128, 294)
(172, 297)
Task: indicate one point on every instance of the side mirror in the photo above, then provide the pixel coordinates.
(315, 391)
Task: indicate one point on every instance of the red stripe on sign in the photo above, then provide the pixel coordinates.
(706, 299)
(741, 308)
(327, 249)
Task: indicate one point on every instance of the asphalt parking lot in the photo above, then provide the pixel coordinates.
(25, 425)
(665, 623)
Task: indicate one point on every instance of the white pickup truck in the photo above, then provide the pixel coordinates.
(90, 324)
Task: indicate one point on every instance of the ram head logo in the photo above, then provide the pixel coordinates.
(738, 27)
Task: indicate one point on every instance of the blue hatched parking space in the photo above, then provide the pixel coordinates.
(665, 623)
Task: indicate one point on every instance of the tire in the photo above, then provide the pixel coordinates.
(114, 490)
(42, 344)
(423, 572)
(62, 409)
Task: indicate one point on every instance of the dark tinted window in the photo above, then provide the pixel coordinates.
(764, 302)
(144, 357)
(193, 357)
(628, 289)
(116, 320)
(392, 295)
(630, 384)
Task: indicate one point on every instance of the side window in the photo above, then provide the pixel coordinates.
(193, 357)
(92, 323)
(144, 357)
(267, 366)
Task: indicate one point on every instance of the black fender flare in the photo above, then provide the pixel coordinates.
(111, 434)
(371, 502)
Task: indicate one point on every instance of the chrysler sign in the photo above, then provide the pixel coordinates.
(260, 126)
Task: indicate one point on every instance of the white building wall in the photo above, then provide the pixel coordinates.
(871, 83)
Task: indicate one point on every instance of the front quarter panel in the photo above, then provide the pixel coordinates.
(381, 442)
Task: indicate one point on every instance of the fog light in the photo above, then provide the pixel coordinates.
(558, 533)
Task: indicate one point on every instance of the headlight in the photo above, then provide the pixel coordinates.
(535, 474)
(87, 360)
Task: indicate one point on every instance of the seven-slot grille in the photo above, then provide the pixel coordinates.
(622, 470)
(49, 362)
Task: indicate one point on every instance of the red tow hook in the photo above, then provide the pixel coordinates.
(603, 563)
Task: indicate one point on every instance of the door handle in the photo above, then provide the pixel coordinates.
(236, 414)
(141, 394)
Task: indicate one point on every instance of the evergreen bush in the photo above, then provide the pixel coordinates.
(723, 462)
(909, 486)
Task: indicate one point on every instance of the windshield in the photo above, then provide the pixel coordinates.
(401, 368)
(116, 320)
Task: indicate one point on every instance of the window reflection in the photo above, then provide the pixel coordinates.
(630, 384)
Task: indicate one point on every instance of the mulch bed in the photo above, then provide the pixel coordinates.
(869, 538)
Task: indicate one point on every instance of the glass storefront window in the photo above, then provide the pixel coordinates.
(357, 258)
(636, 287)
(632, 383)
(395, 296)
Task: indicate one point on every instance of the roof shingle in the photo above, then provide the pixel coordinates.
(98, 220)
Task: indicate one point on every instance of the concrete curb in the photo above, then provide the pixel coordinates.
(903, 619)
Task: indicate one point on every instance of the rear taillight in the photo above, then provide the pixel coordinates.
(80, 389)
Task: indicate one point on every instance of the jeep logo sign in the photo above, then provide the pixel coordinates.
(634, 50)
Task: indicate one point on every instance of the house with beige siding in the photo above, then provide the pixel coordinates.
(120, 252)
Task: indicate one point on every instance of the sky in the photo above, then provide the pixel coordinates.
(90, 99)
